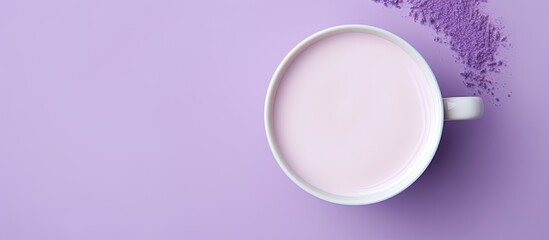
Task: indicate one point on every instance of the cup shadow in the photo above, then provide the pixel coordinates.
(454, 185)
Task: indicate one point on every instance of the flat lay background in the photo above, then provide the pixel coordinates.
(144, 120)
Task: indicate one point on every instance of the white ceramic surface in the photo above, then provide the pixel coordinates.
(319, 167)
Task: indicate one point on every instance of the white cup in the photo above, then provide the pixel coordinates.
(453, 108)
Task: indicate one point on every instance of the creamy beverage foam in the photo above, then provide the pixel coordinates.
(351, 113)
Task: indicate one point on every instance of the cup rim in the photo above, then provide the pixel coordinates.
(413, 174)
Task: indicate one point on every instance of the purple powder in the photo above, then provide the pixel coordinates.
(469, 32)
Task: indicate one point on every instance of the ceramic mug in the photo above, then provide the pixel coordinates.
(354, 114)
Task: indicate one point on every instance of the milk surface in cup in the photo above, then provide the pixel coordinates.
(352, 113)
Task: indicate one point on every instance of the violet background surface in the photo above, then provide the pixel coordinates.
(144, 120)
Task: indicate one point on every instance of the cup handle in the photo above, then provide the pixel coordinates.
(462, 108)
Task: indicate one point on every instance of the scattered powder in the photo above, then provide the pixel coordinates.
(469, 32)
